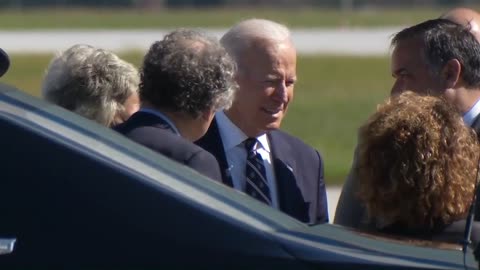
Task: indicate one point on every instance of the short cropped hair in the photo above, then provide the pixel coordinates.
(188, 72)
(417, 163)
(89, 81)
(242, 36)
(444, 40)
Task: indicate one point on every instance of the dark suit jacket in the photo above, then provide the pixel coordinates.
(476, 127)
(453, 233)
(350, 210)
(154, 133)
(297, 167)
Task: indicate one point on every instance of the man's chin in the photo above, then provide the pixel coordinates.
(267, 127)
(273, 126)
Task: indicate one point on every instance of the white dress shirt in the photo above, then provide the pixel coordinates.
(470, 116)
(233, 143)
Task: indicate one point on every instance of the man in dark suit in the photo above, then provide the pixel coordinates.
(254, 155)
(185, 78)
(437, 57)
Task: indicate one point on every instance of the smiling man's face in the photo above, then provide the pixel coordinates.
(266, 78)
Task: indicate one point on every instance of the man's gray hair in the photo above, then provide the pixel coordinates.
(245, 34)
(89, 81)
(188, 71)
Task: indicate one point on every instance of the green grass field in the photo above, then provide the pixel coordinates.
(333, 97)
(135, 19)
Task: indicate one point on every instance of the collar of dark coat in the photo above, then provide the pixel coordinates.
(476, 125)
(149, 119)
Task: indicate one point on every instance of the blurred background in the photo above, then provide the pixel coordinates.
(343, 67)
(342, 4)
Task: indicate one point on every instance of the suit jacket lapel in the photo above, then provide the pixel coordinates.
(212, 142)
(289, 195)
(476, 125)
(476, 128)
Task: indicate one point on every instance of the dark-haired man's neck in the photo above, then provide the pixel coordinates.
(188, 127)
(464, 99)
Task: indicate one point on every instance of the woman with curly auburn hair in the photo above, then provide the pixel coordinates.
(417, 165)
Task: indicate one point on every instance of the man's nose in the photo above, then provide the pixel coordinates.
(281, 92)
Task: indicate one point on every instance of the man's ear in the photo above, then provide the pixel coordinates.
(207, 114)
(451, 73)
(451, 95)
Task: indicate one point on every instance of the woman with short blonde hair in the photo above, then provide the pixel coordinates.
(94, 83)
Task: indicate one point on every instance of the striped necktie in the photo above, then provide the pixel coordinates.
(257, 184)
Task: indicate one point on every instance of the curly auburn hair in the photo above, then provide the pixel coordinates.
(417, 163)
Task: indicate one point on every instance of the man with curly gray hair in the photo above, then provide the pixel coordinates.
(185, 79)
(94, 83)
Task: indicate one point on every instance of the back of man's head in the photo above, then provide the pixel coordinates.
(443, 40)
(187, 72)
(466, 17)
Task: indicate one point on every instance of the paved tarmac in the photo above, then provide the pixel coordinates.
(340, 41)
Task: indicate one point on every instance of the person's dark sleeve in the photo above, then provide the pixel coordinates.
(350, 211)
(322, 207)
(206, 164)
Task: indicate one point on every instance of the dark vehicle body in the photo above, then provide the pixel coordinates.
(77, 195)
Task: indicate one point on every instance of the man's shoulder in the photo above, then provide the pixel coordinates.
(280, 136)
(156, 137)
(137, 131)
(289, 146)
(167, 143)
(211, 138)
(137, 120)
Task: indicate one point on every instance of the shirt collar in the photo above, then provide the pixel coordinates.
(163, 117)
(263, 142)
(469, 117)
(232, 136)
